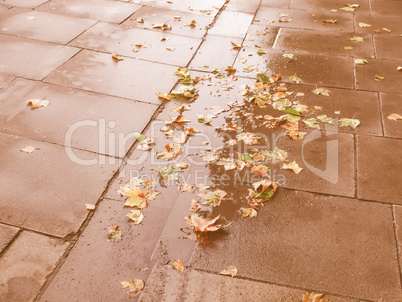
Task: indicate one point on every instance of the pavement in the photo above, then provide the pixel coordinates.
(334, 229)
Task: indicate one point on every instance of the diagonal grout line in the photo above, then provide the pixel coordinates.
(11, 241)
(398, 258)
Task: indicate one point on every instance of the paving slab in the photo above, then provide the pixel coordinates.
(96, 265)
(7, 233)
(378, 22)
(260, 35)
(23, 3)
(378, 169)
(91, 121)
(232, 24)
(215, 53)
(42, 26)
(43, 57)
(167, 284)
(123, 40)
(388, 47)
(154, 15)
(386, 7)
(328, 5)
(366, 76)
(353, 254)
(314, 69)
(391, 103)
(3, 8)
(129, 78)
(207, 7)
(38, 193)
(26, 264)
(305, 19)
(311, 41)
(249, 7)
(102, 10)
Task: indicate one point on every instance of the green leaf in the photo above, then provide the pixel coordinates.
(292, 111)
(294, 78)
(139, 137)
(260, 51)
(344, 122)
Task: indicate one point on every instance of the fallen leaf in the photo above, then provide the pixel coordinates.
(361, 61)
(249, 212)
(248, 138)
(136, 216)
(138, 136)
(171, 48)
(36, 103)
(364, 25)
(163, 96)
(185, 188)
(136, 199)
(292, 166)
(205, 119)
(394, 117)
(139, 20)
(114, 233)
(357, 39)
(312, 123)
(348, 47)
(386, 29)
(191, 24)
(116, 57)
(288, 55)
(325, 119)
(344, 122)
(322, 91)
(260, 51)
(312, 297)
(178, 265)
(331, 21)
(295, 79)
(230, 271)
(90, 207)
(213, 198)
(261, 170)
(28, 149)
(399, 68)
(170, 172)
(162, 26)
(378, 77)
(133, 287)
(194, 206)
(201, 226)
(349, 7)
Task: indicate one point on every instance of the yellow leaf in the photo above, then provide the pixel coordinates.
(28, 149)
(230, 271)
(364, 25)
(344, 122)
(394, 117)
(90, 207)
(249, 212)
(167, 97)
(116, 57)
(292, 166)
(136, 216)
(136, 199)
(36, 103)
(185, 188)
(178, 265)
(132, 287)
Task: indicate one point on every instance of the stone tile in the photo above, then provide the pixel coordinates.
(353, 253)
(103, 10)
(215, 52)
(327, 5)
(42, 26)
(398, 230)
(378, 169)
(275, 3)
(47, 190)
(386, 7)
(114, 38)
(388, 47)
(260, 35)
(305, 19)
(23, 3)
(378, 22)
(42, 59)
(166, 284)
(250, 6)
(91, 121)
(231, 24)
(96, 266)
(5, 80)
(391, 103)
(153, 15)
(130, 78)
(206, 7)
(311, 41)
(26, 264)
(7, 233)
(366, 76)
(315, 69)
(3, 8)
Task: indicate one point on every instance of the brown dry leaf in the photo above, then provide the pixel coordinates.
(235, 46)
(312, 297)
(151, 195)
(213, 198)
(394, 117)
(36, 103)
(177, 18)
(185, 188)
(114, 233)
(230, 271)
(28, 149)
(116, 57)
(194, 206)
(201, 226)
(136, 216)
(178, 265)
(171, 48)
(292, 166)
(133, 287)
(163, 96)
(191, 24)
(162, 26)
(331, 21)
(261, 170)
(248, 138)
(136, 199)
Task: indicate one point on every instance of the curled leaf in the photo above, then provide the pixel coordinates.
(36, 103)
(28, 149)
(292, 166)
(114, 233)
(136, 216)
(230, 270)
(133, 287)
(178, 265)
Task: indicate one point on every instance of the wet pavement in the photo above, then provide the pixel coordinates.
(334, 228)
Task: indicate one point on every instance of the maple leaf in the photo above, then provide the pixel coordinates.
(202, 226)
(136, 216)
(213, 198)
(344, 122)
(325, 119)
(151, 195)
(28, 149)
(133, 287)
(185, 188)
(114, 233)
(181, 108)
(349, 7)
(136, 199)
(231, 142)
(249, 212)
(116, 57)
(36, 103)
(292, 166)
(230, 271)
(183, 72)
(295, 79)
(90, 207)
(361, 61)
(178, 265)
(394, 117)
(163, 96)
(322, 91)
